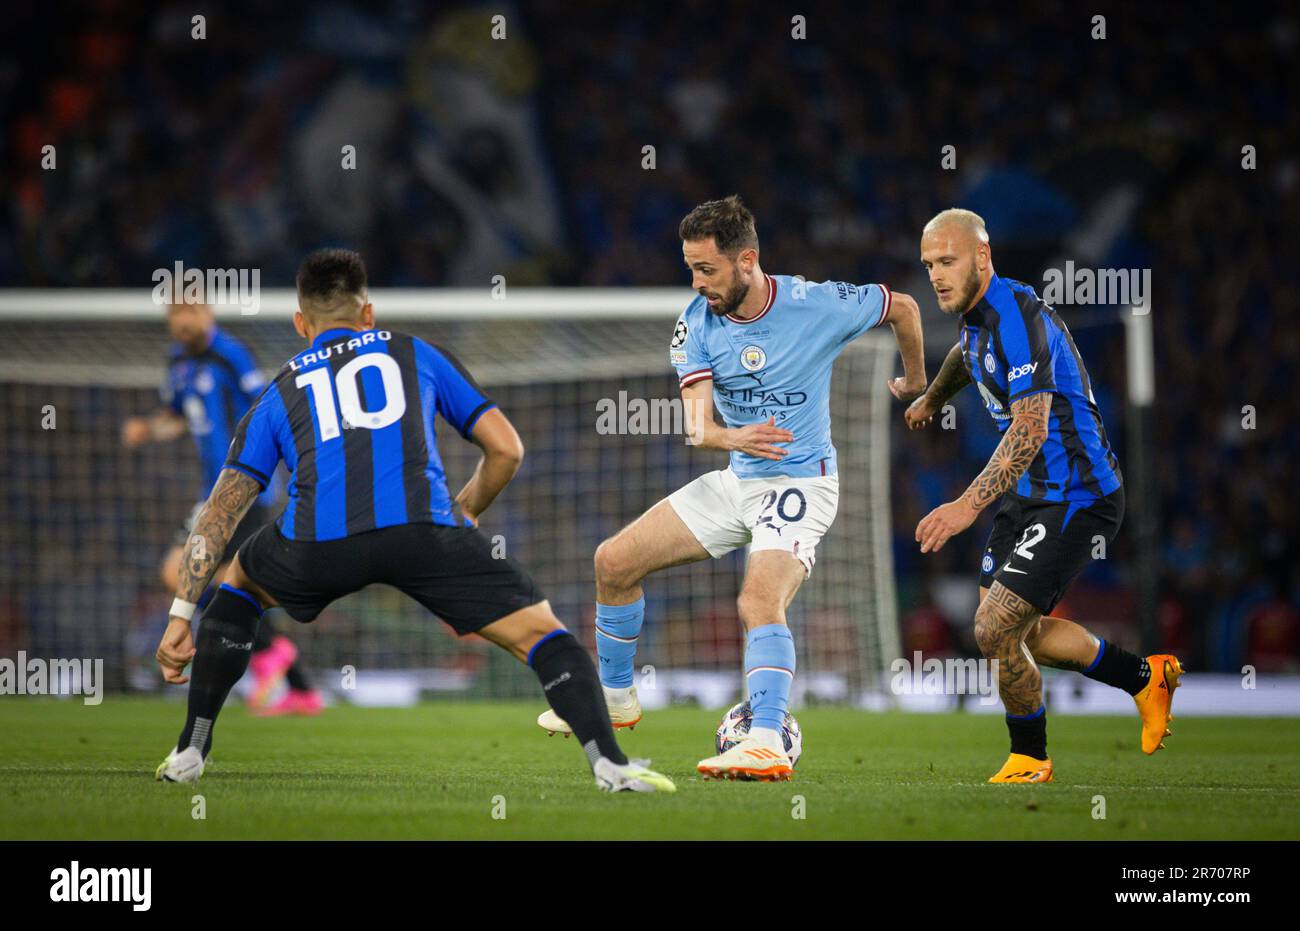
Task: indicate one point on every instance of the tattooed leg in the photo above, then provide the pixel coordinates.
(1059, 643)
(1001, 624)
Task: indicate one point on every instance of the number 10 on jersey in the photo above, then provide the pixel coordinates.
(343, 395)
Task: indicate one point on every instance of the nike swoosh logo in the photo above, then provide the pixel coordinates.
(1019, 571)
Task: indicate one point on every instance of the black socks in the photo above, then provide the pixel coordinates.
(296, 678)
(1113, 666)
(1120, 668)
(1029, 733)
(264, 635)
(223, 647)
(569, 680)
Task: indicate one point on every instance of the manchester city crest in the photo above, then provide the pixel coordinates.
(753, 358)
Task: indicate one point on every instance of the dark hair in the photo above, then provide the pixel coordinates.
(329, 274)
(727, 221)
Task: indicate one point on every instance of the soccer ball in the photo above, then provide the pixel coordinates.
(735, 725)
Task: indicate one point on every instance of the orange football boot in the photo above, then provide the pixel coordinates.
(1021, 768)
(1155, 702)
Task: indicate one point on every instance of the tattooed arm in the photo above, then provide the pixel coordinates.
(952, 378)
(230, 500)
(1019, 446)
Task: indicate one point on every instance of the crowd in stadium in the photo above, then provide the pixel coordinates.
(536, 167)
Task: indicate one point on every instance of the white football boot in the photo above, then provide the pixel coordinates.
(751, 759)
(635, 776)
(621, 714)
(185, 766)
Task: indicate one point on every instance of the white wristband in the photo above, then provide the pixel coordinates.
(183, 609)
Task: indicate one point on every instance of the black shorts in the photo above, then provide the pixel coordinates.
(449, 570)
(256, 518)
(1037, 548)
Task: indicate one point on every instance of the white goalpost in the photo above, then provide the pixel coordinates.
(84, 522)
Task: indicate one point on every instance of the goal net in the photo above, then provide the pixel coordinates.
(85, 523)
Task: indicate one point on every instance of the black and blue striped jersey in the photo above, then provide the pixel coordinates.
(212, 390)
(1015, 345)
(352, 417)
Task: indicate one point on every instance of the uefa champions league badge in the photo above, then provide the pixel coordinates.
(753, 358)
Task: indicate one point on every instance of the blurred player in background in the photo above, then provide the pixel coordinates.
(210, 384)
(353, 418)
(762, 346)
(1058, 481)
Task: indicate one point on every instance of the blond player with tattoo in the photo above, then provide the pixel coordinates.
(1058, 482)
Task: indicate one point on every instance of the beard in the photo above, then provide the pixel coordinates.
(194, 341)
(962, 301)
(731, 300)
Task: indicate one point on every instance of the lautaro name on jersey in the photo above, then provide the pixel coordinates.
(352, 417)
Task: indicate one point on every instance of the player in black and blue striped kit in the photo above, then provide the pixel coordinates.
(353, 417)
(211, 382)
(1058, 481)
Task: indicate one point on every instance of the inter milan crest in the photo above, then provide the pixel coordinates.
(753, 358)
(989, 363)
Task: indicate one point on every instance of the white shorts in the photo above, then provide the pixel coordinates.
(792, 514)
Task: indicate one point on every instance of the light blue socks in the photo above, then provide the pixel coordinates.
(769, 672)
(617, 627)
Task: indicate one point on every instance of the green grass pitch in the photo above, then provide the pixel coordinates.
(441, 770)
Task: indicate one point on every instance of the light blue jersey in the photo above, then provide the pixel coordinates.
(778, 364)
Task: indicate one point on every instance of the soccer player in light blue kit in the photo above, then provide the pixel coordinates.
(760, 347)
